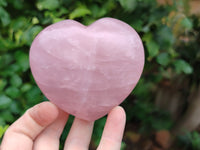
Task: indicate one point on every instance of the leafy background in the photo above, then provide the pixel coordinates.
(171, 38)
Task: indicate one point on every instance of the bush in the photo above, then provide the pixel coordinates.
(167, 54)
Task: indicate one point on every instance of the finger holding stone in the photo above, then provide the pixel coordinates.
(23, 132)
(80, 135)
(49, 138)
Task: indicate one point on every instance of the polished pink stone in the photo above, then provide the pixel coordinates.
(87, 70)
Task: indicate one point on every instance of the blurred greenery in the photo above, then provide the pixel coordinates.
(172, 49)
(190, 140)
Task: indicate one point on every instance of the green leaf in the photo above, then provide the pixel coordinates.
(5, 60)
(57, 20)
(97, 11)
(183, 66)
(4, 17)
(163, 59)
(137, 25)
(22, 60)
(3, 3)
(7, 43)
(5, 101)
(34, 95)
(3, 130)
(14, 108)
(13, 92)
(3, 83)
(80, 11)
(30, 34)
(14, 67)
(123, 146)
(128, 5)
(48, 4)
(147, 37)
(142, 89)
(16, 81)
(98, 129)
(186, 23)
(18, 4)
(35, 20)
(19, 23)
(62, 11)
(7, 72)
(26, 87)
(87, 21)
(7, 116)
(2, 121)
(153, 48)
(165, 37)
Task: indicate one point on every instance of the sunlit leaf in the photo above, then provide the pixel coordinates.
(47, 4)
(30, 34)
(183, 66)
(153, 48)
(80, 11)
(26, 87)
(3, 130)
(186, 23)
(35, 20)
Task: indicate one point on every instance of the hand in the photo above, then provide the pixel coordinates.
(41, 126)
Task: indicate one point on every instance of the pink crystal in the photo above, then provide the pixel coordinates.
(86, 71)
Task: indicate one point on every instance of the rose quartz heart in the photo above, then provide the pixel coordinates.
(86, 71)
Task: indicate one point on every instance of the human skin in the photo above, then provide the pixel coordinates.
(41, 126)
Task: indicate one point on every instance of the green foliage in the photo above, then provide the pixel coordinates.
(48, 4)
(189, 141)
(152, 46)
(5, 101)
(4, 16)
(186, 22)
(150, 117)
(80, 11)
(98, 129)
(22, 61)
(65, 132)
(166, 54)
(123, 146)
(163, 59)
(183, 66)
(128, 5)
(2, 130)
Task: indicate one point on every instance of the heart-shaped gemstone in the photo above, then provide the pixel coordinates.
(87, 70)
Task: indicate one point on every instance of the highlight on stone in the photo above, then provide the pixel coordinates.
(87, 70)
